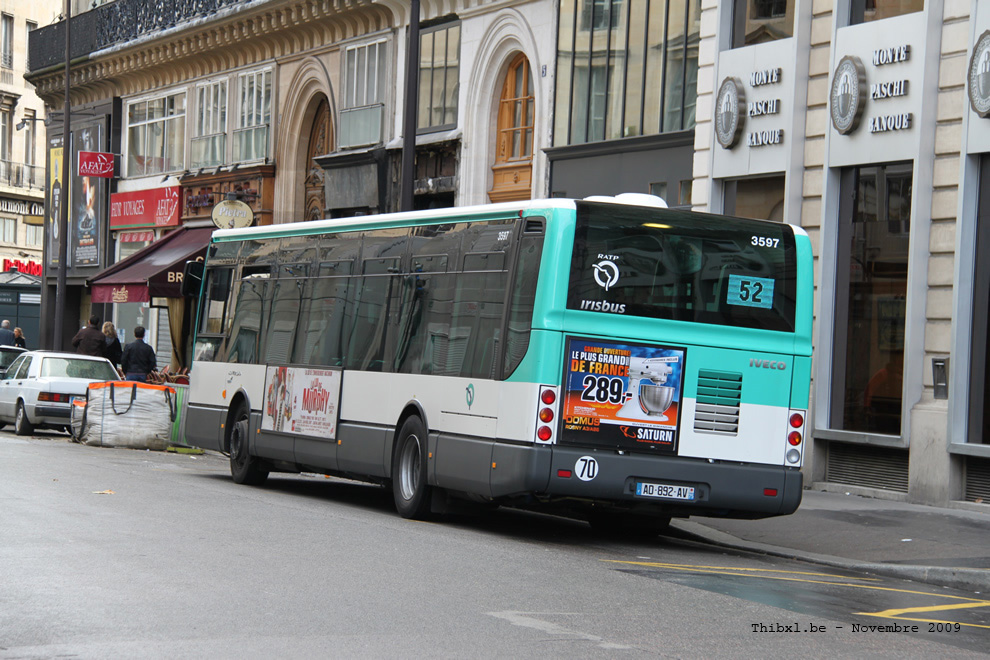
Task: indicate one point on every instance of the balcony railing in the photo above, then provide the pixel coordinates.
(21, 175)
(115, 23)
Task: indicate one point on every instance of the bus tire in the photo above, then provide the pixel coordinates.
(244, 468)
(409, 486)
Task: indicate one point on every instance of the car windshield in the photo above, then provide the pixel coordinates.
(52, 367)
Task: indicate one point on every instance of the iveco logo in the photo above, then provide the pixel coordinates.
(606, 274)
(768, 364)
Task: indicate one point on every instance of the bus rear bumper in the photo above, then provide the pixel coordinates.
(686, 486)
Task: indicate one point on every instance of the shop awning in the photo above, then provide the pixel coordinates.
(153, 272)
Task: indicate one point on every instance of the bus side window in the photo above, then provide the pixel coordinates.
(214, 308)
(246, 327)
(522, 302)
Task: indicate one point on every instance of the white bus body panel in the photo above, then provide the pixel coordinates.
(215, 383)
(762, 438)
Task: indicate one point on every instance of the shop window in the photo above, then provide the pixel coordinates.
(156, 135)
(625, 69)
(762, 21)
(209, 142)
(439, 56)
(254, 112)
(864, 11)
(870, 299)
(761, 198)
(512, 171)
(364, 95)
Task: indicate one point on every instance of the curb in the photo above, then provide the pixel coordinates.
(966, 579)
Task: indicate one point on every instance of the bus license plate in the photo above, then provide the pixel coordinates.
(665, 491)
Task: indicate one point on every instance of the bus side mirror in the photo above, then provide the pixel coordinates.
(192, 279)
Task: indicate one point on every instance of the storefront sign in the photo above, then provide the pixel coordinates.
(96, 163)
(767, 107)
(882, 56)
(888, 90)
(232, 214)
(848, 94)
(764, 77)
(730, 106)
(29, 267)
(156, 207)
(764, 138)
(978, 76)
(22, 207)
(901, 122)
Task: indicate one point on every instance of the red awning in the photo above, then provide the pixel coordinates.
(154, 271)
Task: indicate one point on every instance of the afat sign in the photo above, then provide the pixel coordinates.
(156, 207)
(96, 163)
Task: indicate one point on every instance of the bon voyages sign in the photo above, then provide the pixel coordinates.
(301, 400)
(155, 207)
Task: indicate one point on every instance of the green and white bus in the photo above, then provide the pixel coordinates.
(618, 361)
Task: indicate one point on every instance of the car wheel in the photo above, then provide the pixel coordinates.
(244, 468)
(22, 425)
(409, 486)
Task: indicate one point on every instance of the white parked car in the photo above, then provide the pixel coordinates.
(39, 386)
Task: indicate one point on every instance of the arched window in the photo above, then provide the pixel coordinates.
(512, 171)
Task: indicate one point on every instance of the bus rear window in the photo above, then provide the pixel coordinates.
(683, 266)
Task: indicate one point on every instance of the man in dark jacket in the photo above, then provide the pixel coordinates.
(7, 337)
(90, 340)
(138, 359)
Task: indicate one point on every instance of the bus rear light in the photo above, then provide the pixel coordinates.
(770, 492)
(797, 420)
(794, 438)
(548, 397)
(546, 415)
(566, 474)
(544, 433)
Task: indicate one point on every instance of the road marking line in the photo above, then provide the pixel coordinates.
(728, 570)
(731, 568)
(896, 614)
(527, 620)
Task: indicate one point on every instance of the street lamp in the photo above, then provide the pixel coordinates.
(63, 219)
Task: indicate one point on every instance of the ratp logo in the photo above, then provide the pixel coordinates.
(606, 274)
(470, 395)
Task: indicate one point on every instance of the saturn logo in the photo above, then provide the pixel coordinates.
(606, 274)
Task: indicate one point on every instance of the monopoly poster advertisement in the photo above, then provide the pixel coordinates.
(301, 400)
(622, 395)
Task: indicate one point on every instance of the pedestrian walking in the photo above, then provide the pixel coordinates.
(112, 349)
(138, 359)
(90, 340)
(6, 334)
(19, 340)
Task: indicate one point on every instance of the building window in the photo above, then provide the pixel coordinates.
(33, 235)
(512, 171)
(29, 137)
(761, 198)
(870, 296)
(6, 136)
(31, 25)
(209, 142)
(254, 115)
(864, 11)
(7, 41)
(439, 57)
(156, 135)
(8, 230)
(625, 69)
(762, 21)
(364, 95)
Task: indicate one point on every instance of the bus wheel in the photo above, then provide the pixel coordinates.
(409, 488)
(244, 468)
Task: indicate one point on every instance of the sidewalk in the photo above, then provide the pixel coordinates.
(939, 546)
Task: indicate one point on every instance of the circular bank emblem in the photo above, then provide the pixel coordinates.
(979, 76)
(730, 108)
(847, 98)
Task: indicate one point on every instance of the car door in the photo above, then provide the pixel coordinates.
(8, 389)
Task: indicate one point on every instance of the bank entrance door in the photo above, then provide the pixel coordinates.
(979, 421)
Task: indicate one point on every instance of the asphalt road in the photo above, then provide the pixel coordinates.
(115, 553)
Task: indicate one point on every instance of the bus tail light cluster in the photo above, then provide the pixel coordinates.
(796, 420)
(546, 415)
